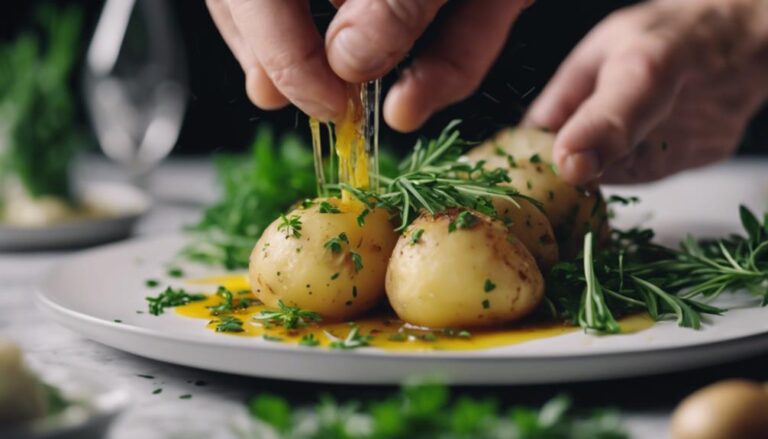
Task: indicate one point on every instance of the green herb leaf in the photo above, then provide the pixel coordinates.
(357, 260)
(489, 286)
(170, 298)
(289, 317)
(290, 226)
(464, 220)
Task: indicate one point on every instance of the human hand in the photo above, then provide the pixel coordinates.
(657, 88)
(285, 59)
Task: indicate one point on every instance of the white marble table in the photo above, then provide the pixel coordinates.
(182, 187)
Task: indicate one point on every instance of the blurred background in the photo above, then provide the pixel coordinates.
(219, 117)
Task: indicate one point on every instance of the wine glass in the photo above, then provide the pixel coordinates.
(135, 84)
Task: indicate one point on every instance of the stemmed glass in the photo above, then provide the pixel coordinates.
(135, 84)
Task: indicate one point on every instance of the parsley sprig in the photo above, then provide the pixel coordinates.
(289, 317)
(353, 340)
(170, 298)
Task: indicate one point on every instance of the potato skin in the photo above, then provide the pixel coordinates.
(440, 281)
(302, 272)
(572, 211)
(531, 226)
(724, 410)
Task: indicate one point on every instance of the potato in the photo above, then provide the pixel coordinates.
(479, 275)
(532, 228)
(724, 410)
(331, 266)
(570, 210)
(22, 396)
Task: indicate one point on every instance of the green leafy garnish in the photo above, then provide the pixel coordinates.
(229, 324)
(361, 217)
(334, 244)
(289, 317)
(228, 303)
(170, 298)
(255, 192)
(426, 410)
(291, 226)
(309, 340)
(489, 286)
(175, 272)
(464, 220)
(353, 340)
(416, 236)
(151, 283)
(326, 207)
(357, 260)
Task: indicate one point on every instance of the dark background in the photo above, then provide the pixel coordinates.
(220, 117)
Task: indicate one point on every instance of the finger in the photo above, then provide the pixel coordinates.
(452, 67)
(288, 47)
(367, 38)
(635, 90)
(260, 89)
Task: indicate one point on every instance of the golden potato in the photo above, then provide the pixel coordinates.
(527, 154)
(724, 410)
(531, 227)
(324, 262)
(461, 269)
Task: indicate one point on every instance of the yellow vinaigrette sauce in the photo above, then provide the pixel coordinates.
(388, 331)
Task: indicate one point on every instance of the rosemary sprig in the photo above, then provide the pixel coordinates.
(433, 179)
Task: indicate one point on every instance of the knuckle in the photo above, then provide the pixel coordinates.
(284, 69)
(410, 14)
(643, 65)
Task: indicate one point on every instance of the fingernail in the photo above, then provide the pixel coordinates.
(581, 166)
(353, 49)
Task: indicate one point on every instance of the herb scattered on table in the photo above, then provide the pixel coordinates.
(229, 324)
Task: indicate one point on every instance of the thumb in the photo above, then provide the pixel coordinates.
(367, 38)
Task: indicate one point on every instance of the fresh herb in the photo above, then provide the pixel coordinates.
(291, 226)
(186, 396)
(632, 274)
(157, 391)
(353, 340)
(334, 244)
(175, 272)
(170, 298)
(357, 260)
(228, 303)
(426, 410)
(361, 217)
(289, 317)
(151, 283)
(146, 377)
(255, 191)
(309, 340)
(489, 286)
(536, 158)
(307, 203)
(335, 276)
(464, 220)
(460, 333)
(326, 207)
(229, 324)
(416, 236)
(117, 321)
(38, 108)
(486, 304)
(432, 179)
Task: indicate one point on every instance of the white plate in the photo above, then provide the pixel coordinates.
(125, 203)
(89, 291)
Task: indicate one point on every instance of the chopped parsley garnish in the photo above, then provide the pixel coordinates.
(416, 236)
(326, 207)
(171, 298)
(535, 158)
(186, 396)
(464, 220)
(486, 304)
(335, 276)
(175, 272)
(146, 377)
(157, 391)
(449, 332)
(489, 286)
(353, 340)
(307, 203)
(361, 217)
(511, 161)
(151, 283)
(309, 340)
(357, 260)
(334, 244)
(289, 317)
(229, 324)
(291, 226)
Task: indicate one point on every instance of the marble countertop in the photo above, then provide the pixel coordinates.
(182, 187)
